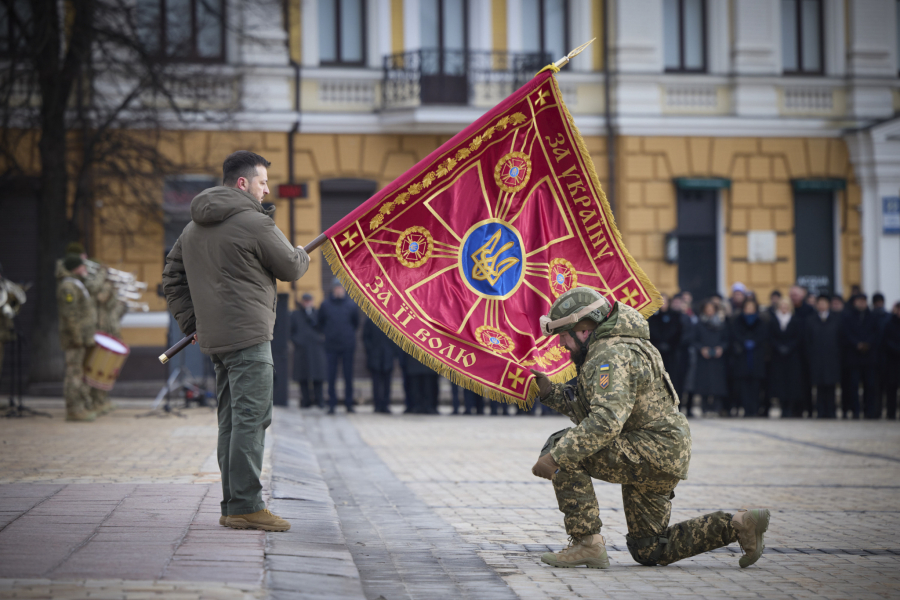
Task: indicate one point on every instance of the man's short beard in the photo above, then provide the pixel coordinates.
(579, 356)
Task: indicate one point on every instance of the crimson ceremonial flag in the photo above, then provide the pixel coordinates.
(460, 256)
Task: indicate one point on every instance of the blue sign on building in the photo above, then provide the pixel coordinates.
(890, 214)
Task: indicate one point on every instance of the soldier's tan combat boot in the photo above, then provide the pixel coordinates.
(80, 415)
(223, 521)
(104, 408)
(589, 551)
(750, 526)
(261, 519)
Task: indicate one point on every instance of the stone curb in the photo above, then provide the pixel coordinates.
(311, 561)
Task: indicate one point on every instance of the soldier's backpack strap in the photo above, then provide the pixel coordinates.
(636, 544)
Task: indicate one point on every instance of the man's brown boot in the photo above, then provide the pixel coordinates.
(589, 551)
(750, 526)
(223, 521)
(261, 519)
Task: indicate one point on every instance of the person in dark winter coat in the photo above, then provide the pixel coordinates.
(860, 339)
(749, 339)
(310, 365)
(665, 334)
(380, 355)
(785, 375)
(823, 353)
(709, 343)
(804, 307)
(890, 350)
(679, 375)
(423, 388)
(338, 322)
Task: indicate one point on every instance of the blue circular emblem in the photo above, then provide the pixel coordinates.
(493, 259)
(560, 279)
(494, 340)
(413, 246)
(514, 172)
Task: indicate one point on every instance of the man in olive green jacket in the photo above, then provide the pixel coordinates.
(220, 281)
(628, 431)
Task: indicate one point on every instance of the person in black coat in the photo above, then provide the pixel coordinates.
(310, 366)
(709, 343)
(679, 375)
(338, 322)
(860, 339)
(748, 356)
(890, 350)
(786, 368)
(423, 388)
(665, 334)
(380, 355)
(803, 309)
(823, 353)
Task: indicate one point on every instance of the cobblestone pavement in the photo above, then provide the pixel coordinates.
(119, 508)
(832, 488)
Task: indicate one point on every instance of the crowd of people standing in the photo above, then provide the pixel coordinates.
(802, 354)
(808, 355)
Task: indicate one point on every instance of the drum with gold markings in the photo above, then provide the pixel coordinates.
(104, 360)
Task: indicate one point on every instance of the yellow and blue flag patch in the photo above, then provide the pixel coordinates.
(604, 376)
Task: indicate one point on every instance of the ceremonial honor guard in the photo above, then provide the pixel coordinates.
(628, 431)
(77, 325)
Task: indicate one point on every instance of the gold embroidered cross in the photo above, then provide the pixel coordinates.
(349, 237)
(516, 380)
(629, 297)
(542, 97)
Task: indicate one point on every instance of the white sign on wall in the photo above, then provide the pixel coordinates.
(761, 246)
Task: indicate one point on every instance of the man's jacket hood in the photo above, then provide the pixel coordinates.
(214, 205)
(623, 322)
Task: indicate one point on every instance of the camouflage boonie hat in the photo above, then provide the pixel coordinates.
(573, 306)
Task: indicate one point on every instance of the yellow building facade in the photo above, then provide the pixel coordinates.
(740, 125)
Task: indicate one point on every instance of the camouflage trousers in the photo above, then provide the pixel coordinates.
(646, 495)
(76, 391)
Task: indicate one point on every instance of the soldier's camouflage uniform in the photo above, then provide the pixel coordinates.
(628, 431)
(77, 325)
(109, 318)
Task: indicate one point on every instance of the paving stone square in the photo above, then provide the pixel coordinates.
(400, 507)
(831, 486)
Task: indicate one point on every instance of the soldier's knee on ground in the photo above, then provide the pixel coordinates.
(646, 550)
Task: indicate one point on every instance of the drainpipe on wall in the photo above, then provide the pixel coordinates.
(290, 152)
(610, 134)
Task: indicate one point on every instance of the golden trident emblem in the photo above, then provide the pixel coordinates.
(485, 259)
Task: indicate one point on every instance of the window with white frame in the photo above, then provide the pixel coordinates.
(801, 37)
(545, 27)
(342, 34)
(684, 36)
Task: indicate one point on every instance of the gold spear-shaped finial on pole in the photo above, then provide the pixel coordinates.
(555, 67)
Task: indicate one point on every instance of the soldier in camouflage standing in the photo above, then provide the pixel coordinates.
(628, 431)
(109, 317)
(77, 324)
(109, 310)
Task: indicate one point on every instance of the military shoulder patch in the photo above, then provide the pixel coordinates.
(604, 367)
(604, 380)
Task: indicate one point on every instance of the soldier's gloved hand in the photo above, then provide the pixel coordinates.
(545, 467)
(544, 386)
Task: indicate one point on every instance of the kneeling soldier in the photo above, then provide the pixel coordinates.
(628, 431)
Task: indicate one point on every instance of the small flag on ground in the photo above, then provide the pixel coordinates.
(459, 257)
